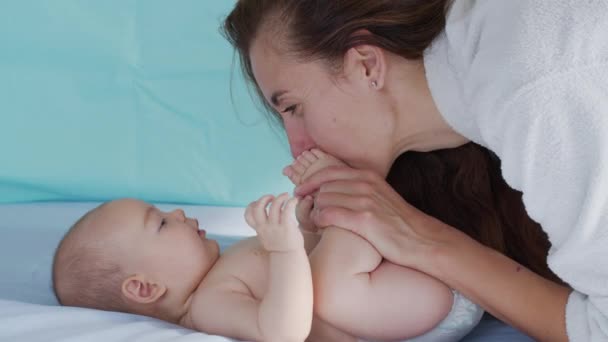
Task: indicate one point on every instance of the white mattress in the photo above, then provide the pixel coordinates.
(29, 234)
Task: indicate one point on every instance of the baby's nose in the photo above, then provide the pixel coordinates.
(180, 214)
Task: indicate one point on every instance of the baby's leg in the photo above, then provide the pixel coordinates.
(356, 292)
(308, 163)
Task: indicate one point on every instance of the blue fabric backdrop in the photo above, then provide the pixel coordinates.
(115, 98)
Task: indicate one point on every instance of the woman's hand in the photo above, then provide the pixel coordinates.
(303, 210)
(362, 202)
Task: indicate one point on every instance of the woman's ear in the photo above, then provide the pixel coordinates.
(140, 290)
(366, 63)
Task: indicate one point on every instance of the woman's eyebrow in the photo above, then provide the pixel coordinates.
(274, 99)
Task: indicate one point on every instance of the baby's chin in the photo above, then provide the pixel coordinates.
(214, 249)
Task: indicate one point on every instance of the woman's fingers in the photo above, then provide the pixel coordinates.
(329, 174)
(341, 218)
(374, 190)
(303, 208)
(349, 186)
(344, 200)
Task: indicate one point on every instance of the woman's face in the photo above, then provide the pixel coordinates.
(343, 115)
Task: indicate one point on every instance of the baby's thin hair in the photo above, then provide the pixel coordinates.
(84, 273)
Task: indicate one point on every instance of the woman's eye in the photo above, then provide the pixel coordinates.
(291, 109)
(162, 222)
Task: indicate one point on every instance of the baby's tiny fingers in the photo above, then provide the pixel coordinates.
(288, 171)
(288, 213)
(276, 206)
(259, 208)
(249, 216)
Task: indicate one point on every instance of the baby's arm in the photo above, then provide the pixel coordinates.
(359, 293)
(285, 312)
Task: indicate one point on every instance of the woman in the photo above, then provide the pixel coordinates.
(368, 81)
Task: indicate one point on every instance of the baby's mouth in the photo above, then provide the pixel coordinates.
(202, 233)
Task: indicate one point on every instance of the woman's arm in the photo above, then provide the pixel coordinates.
(553, 143)
(502, 287)
(537, 95)
(362, 295)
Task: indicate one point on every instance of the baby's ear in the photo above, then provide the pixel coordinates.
(139, 289)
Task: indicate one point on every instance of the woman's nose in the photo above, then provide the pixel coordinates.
(299, 140)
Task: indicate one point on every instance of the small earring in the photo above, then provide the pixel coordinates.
(374, 84)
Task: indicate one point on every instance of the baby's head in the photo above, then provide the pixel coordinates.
(126, 255)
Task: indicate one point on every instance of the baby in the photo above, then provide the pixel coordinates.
(127, 255)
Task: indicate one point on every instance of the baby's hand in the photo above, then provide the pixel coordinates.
(277, 229)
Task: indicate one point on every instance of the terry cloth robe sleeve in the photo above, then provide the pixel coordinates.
(529, 80)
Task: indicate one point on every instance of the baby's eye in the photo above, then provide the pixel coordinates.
(162, 223)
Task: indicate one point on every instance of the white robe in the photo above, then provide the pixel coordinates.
(529, 80)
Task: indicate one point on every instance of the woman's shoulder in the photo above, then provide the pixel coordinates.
(493, 51)
(525, 38)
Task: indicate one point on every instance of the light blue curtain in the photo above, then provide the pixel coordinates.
(116, 98)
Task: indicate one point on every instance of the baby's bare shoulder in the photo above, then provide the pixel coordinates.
(245, 263)
(248, 245)
(230, 283)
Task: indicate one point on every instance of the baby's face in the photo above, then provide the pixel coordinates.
(167, 246)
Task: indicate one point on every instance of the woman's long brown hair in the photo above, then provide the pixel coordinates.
(463, 186)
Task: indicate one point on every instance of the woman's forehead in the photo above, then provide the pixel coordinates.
(277, 73)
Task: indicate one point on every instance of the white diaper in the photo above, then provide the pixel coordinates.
(461, 319)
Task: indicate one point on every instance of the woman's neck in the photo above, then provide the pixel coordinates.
(419, 124)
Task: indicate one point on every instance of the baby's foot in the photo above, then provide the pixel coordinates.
(305, 165)
(308, 163)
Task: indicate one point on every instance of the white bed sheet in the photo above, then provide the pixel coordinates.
(29, 234)
(25, 322)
